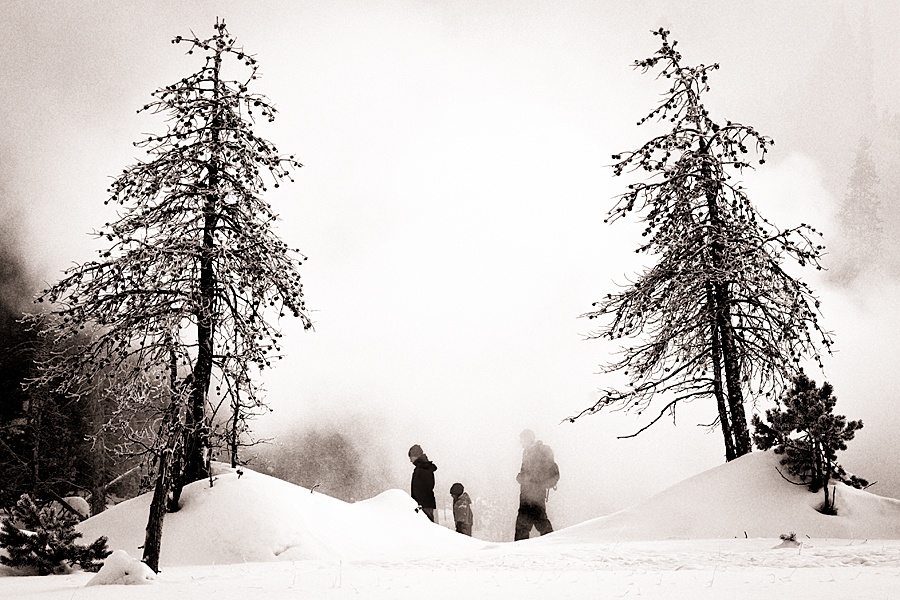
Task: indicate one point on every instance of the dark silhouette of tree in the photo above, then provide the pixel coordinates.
(46, 541)
(806, 431)
(183, 299)
(716, 316)
(888, 156)
(860, 220)
(45, 445)
(326, 461)
(845, 90)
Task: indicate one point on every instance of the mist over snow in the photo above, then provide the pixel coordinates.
(257, 518)
(715, 535)
(252, 517)
(451, 203)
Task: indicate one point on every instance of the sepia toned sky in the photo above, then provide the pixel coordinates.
(452, 201)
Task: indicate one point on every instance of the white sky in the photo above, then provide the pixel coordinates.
(452, 203)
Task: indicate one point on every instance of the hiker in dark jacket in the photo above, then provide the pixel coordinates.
(538, 474)
(422, 485)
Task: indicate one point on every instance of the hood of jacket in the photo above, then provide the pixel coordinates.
(423, 463)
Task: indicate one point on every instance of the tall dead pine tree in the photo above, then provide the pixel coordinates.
(182, 300)
(715, 316)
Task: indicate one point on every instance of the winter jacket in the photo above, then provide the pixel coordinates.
(538, 474)
(462, 509)
(422, 485)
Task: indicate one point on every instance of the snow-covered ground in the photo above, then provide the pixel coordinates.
(715, 535)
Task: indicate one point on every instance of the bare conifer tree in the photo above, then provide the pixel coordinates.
(184, 297)
(715, 316)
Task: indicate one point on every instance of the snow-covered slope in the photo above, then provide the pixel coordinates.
(746, 497)
(247, 537)
(257, 518)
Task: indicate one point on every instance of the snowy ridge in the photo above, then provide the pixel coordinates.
(257, 518)
(255, 536)
(745, 498)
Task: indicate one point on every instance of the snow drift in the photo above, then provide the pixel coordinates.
(257, 518)
(121, 569)
(747, 497)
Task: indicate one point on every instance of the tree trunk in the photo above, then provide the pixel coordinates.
(98, 499)
(732, 375)
(36, 409)
(824, 476)
(818, 465)
(158, 507)
(177, 479)
(724, 418)
(235, 422)
(179, 391)
(159, 504)
(98, 491)
(197, 434)
(195, 452)
(722, 311)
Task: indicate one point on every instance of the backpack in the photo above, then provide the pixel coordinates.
(546, 470)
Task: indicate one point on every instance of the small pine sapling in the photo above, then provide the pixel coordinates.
(806, 431)
(46, 541)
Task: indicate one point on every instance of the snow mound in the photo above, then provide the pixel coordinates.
(258, 518)
(80, 505)
(746, 497)
(120, 569)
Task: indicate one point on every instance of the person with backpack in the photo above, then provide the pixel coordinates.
(422, 484)
(538, 474)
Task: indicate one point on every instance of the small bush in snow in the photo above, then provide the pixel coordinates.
(46, 541)
(806, 431)
(789, 537)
